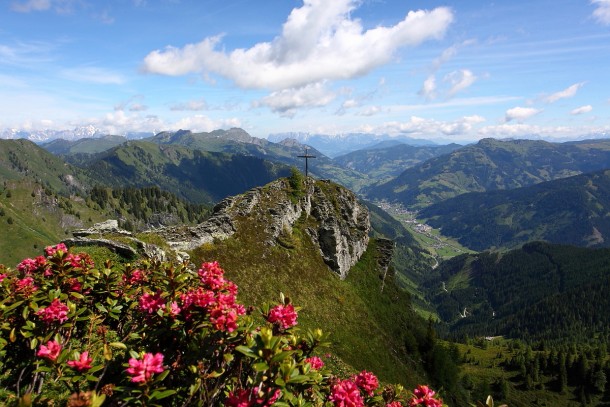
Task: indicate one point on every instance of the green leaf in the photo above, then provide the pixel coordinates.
(158, 395)
(162, 376)
(246, 351)
(281, 356)
(118, 345)
(100, 307)
(260, 367)
(76, 295)
(298, 379)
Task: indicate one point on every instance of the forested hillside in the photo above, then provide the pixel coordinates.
(574, 210)
(554, 293)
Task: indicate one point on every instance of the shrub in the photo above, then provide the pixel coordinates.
(160, 334)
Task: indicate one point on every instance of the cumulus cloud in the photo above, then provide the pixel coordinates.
(428, 89)
(421, 127)
(602, 11)
(138, 107)
(286, 101)
(191, 105)
(369, 111)
(582, 109)
(459, 80)
(319, 41)
(520, 113)
(568, 92)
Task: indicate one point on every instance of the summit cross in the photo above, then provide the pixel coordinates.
(306, 156)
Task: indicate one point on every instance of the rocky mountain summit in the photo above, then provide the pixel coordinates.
(331, 215)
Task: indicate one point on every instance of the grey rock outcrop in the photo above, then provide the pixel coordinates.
(341, 230)
(109, 226)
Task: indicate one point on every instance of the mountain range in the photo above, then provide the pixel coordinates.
(491, 165)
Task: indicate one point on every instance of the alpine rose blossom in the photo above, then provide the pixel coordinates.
(424, 396)
(142, 370)
(283, 315)
(366, 381)
(346, 393)
(51, 250)
(25, 286)
(57, 311)
(394, 404)
(49, 351)
(150, 303)
(82, 364)
(315, 362)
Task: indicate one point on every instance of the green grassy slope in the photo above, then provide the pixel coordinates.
(574, 210)
(198, 176)
(367, 326)
(491, 165)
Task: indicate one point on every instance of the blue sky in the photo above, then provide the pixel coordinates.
(453, 70)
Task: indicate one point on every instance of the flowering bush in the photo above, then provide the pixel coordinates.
(161, 334)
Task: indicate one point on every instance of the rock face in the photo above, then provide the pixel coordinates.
(336, 222)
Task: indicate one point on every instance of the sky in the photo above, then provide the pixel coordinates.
(451, 70)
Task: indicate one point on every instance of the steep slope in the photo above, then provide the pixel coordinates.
(310, 241)
(390, 158)
(198, 176)
(23, 160)
(238, 141)
(574, 210)
(83, 145)
(541, 291)
(492, 165)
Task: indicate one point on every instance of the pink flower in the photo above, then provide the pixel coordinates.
(252, 397)
(82, 364)
(224, 318)
(142, 370)
(394, 404)
(151, 303)
(49, 351)
(240, 398)
(366, 381)
(51, 250)
(136, 277)
(57, 311)
(315, 363)
(27, 266)
(25, 286)
(283, 315)
(2, 277)
(423, 395)
(173, 309)
(345, 393)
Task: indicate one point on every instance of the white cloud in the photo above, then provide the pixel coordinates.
(428, 89)
(602, 12)
(286, 101)
(31, 5)
(582, 109)
(520, 113)
(420, 127)
(568, 92)
(200, 123)
(93, 75)
(370, 111)
(319, 41)
(459, 80)
(191, 105)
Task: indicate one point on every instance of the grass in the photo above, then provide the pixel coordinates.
(366, 326)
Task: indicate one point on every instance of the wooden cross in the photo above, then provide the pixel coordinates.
(306, 157)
